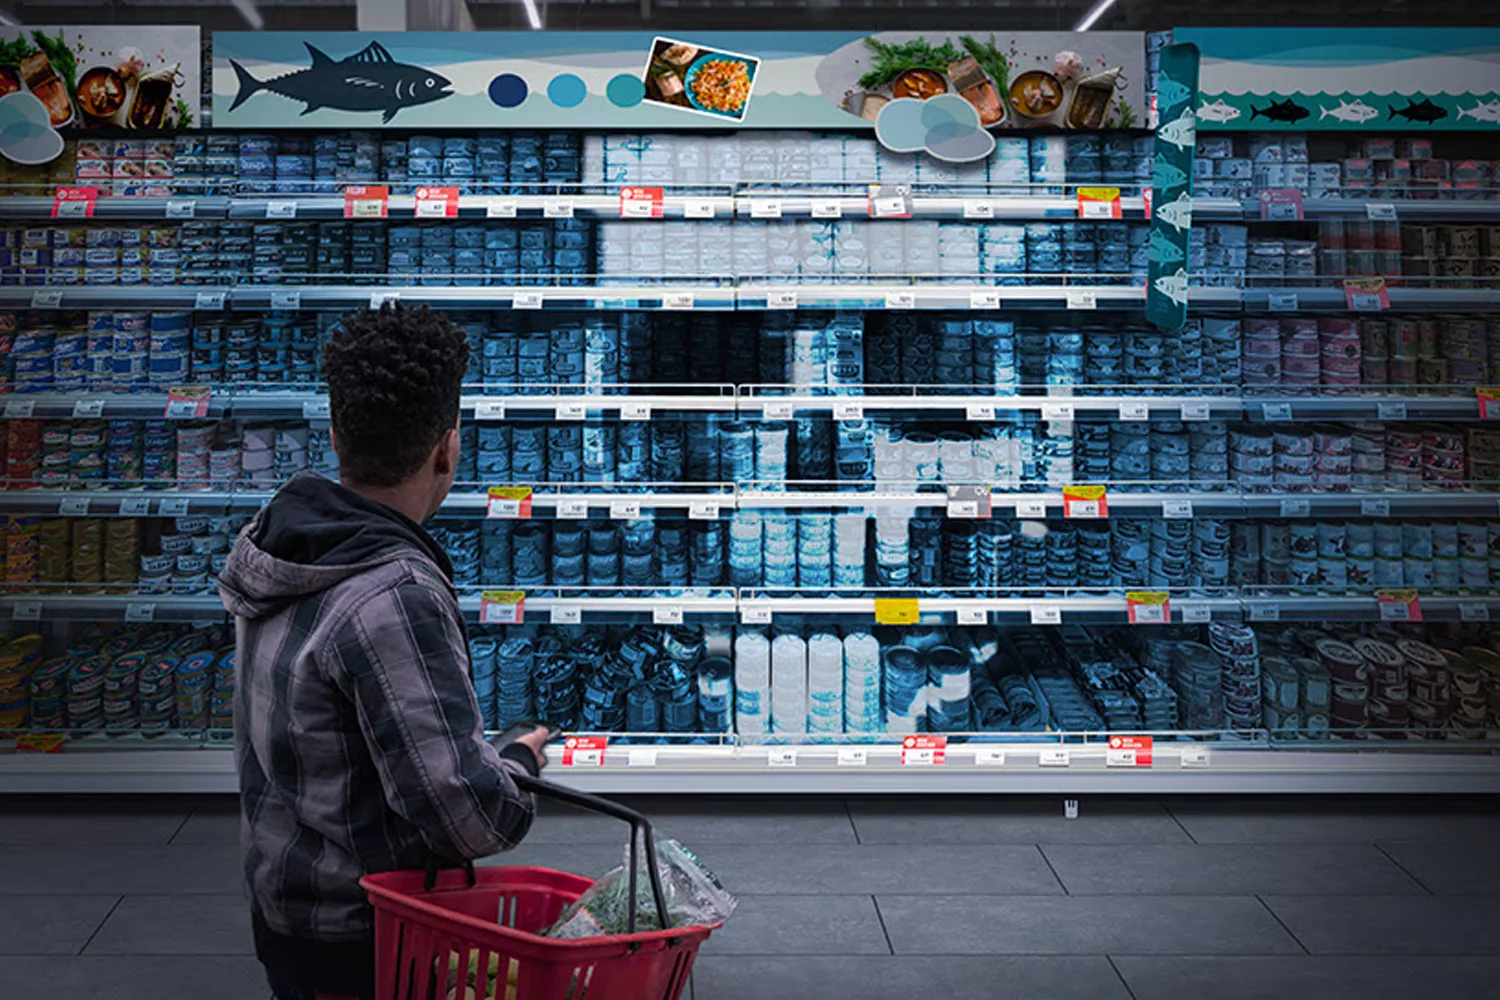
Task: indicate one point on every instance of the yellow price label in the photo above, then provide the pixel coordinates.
(897, 611)
(1147, 596)
(1084, 492)
(1099, 193)
(40, 743)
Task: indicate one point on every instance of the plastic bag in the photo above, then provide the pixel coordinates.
(693, 896)
(470, 984)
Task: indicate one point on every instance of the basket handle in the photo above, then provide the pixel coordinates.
(640, 829)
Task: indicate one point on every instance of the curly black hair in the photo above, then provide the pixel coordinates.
(394, 380)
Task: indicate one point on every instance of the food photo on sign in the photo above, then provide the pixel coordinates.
(696, 78)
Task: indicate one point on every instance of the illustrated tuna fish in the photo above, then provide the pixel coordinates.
(1167, 175)
(1488, 111)
(1170, 93)
(1280, 111)
(1174, 286)
(1219, 112)
(1426, 112)
(369, 80)
(1163, 250)
(1181, 130)
(1177, 213)
(1355, 111)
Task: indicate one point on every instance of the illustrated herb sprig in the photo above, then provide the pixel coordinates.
(13, 50)
(184, 114)
(60, 56)
(893, 60)
(1127, 113)
(990, 59)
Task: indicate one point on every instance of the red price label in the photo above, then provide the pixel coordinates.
(1366, 294)
(1489, 402)
(40, 743)
(509, 502)
(1281, 205)
(1148, 607)
(74, 202)
(1146, 195)
(436, 203)
(1399, 605)
(641, 203)
(1085, 501)
(363, 201)
(1129, 751)
(924, 749)
(1099, 203)
(502, 607)
(187, 402)
(584, 751)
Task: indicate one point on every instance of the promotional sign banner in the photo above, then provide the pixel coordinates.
(1172, 188)
(946, 94)
(1349, 79)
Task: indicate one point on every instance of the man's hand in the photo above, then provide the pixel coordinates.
(537, 740)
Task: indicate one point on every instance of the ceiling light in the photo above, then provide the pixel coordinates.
(532, 15)
(9, 20)
(250, 13)
(1095, 12)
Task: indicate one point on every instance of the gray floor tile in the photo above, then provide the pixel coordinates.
(801, 925)
(1070, 925)
(69, 869)
(174, 978)
(1308, 978)
(176, 925)
(718, 820)
(1392, 925)
(1450, 868)
(901, 978)
(50, 925)
(1336, 821)
(215, 821)
(986, 820)
(1211, 869)
(90, 820)
(591, 860)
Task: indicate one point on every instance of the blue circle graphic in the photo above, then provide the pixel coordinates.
(508, 90)
(567, 90)
(625, 91)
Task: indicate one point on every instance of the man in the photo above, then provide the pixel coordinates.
(358, 740)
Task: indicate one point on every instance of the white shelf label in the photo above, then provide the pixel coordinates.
(1031, 508)
(88, 409)
(1046, 614)
(853, 756)
(979, 411)
(1057, 411)
(489, 409)
(1380, 211)
(962, 509)
(901, 300)
(1473, 611)
(209, 301)
(315, 409)
(173, 507)
(73, 507)
(19, 409)
(1135, 411)
(1195, 757)
(784, 301)
(380, 298)
(776, 411)
(625, 510)
(527, 300)
(1375, 508)
(26, 611)
(1195, 411)
(1081, 298)
(1276, 411)
(1194, 614)
(47, 298)
(1263, 611)
(979, 210)
(635, 411)
(666, 614)
(972, 614)
(570, 411)
(566, 614)
(703, 510)
(286, 300)
(281, 209)
(677, 300)
(135, 507)
(573, 509)
(848, 411)
(1295, 508)
(181, 208)
(1115, 757)
(1176, 508)
(989, 757)
(984, 300)
(781, 757)
(755, 613)
(827, 208)
(501, 208)
(140, 612)
(1054, 757)
(698, 208)
(557, 208)
(1281, 301)
(641, 757)
(1390, 411)
(765, 208)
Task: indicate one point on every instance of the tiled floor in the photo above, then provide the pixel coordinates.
(865, 899)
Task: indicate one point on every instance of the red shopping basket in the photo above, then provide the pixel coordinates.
(433, 930)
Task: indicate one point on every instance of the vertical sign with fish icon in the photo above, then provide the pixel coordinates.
(1172, 188)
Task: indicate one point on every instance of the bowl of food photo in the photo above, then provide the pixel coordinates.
(720, 84)
(101, 95)
(1036, 94)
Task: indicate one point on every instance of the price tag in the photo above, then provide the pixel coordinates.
(1085, 501)
(1195, 614)
(1281, 205)
(755, 612)
(962, 509)
(26, 611)
(625, 510)
(827, 208)
(1282, 302)
(187, 402)
(703, 510)
(380, 298)
(677, 300)
(1399, 605)
(924, 749)
(570, 411)
(501, 208)
(1390, 411)
(972, 614)
(1031, 508)
(1263, 611)
(781, 757)
(901, 300)
(573, 509)
(984, 300)
(1148, 607)
(979, 411)
(1174, 509)
(40, 743)
(1375, 508)
(557, 208)
(666, 614)
(1147, 195)
(785, 301)
(853, 756)
(1057, 411)
(1054, 757)
(848, 411)
(502, 607)
(698, 208)
(1195, 757)
(88, 409)
(366, 201)
(509, 502)
(584, 751)
(566, 614)
(181, 208)
(1135, 411)
(641, 757)
(1489, 402)
(1046, 614)
(73, 507)
(989, 757)
(1295, 508)
(1274, 412)
(315, 409)
(1366, 294)
(436, 203)
(635, 411)
(889, 201)
(74, 202)
(1128, 751)
(19, 409)
(209, 301)
(1380, 211)
(1099, 203)
(1473, 611)
(776, 411)
(47, 298)
(1081, 298)
(140, 612)
(641, 203)
(281, 209)
(897, 611)
(527, 300)
(135, 507)
(174, 507)
(489, 409)
(765, 208)
(286, 300)
(1195, 411)
(969, 501)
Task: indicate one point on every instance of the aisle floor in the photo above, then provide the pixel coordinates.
(866, 899)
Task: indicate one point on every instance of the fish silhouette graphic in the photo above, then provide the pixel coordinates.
(369, 80)
(1413, 112)
(1280, 111)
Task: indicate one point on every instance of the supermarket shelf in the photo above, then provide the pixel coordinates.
(618, 501)
(132, 503)
(117, 296)
(632, 402)
(572, 606)
(1324, 299)
(1407, 209)
(94, 405)
(977, 206)
(1398, 403)
(779, 401)
(958, 293)
(701, 296)
(985, 607)
(27, 608)
(111, 207)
